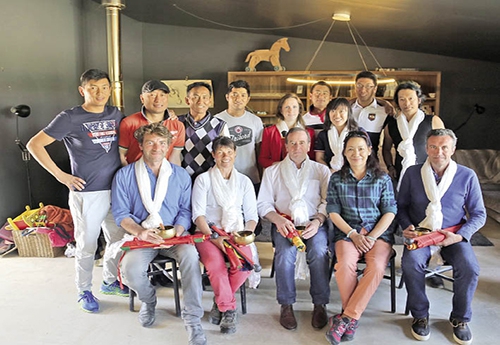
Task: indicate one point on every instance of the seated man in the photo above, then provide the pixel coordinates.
(295, 188)
(148, 193)
(438, 195)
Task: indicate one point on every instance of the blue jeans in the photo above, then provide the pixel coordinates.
(134, 271)
(465, 272)
(317, 260)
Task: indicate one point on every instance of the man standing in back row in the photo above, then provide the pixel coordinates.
(245, 129)
(89, 133)
(154, 99)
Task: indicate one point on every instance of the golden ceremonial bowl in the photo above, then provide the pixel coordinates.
(300, 229)
(244, 237)
(167, 233)
(422, 231)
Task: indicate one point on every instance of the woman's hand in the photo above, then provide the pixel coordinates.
(361, 242)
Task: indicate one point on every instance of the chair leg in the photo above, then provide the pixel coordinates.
(243, 293)
(393, 284)
(176, 289)
(131, 296)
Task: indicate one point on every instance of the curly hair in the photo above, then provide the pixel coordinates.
(153, 128)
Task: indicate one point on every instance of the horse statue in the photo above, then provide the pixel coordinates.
(272, 55)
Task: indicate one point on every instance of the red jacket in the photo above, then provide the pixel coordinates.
(272, 148)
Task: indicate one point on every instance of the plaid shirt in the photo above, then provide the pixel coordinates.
(361, 203)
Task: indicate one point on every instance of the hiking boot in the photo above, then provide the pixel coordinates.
(147, 314)
(114, 289)
(337, 327)
(420, 328)
(196, 336)
(228, 322)
(88, 302)
(350, 330)
(319, 317)
(461, 332)
(215, 315)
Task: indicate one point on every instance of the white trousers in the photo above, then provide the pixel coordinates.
(91, 211)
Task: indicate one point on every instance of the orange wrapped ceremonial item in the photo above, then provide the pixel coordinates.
(189, 239)
(431, 238)
(236, 257)
(294, 236)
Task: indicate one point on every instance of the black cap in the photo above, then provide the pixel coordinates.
(153, 85)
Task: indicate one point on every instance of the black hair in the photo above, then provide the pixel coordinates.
(322, 83)
(93, 74)
(409, 85)
(223, 141)
(367, 74)
(199, 84)
(371, 162)
(352, 124)
(237, 84)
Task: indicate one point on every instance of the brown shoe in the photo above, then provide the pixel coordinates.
(319, 317)
(287, 319)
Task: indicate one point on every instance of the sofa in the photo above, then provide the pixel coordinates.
(486, 164)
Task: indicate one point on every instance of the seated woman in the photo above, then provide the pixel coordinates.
(329, 144)
(360, 202)
(225, 197)
(289, 113)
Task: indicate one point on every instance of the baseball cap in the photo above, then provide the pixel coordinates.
(153, 85)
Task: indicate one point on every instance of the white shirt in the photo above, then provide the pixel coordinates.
(274, 195)
(246, 132)
(311, 119)
(371, 118)
(204, 204)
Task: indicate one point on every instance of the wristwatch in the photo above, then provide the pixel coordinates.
(214, 235)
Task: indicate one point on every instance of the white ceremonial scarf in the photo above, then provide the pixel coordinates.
(296, 183)
(433, 213)
(405, 147)
(229, 198)
(336, 143)
(153, 206)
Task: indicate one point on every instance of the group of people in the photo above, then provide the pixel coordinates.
(134, 174)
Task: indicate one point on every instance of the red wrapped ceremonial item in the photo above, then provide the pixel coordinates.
(235, 256)
(431, 238)
(189, 239)
(294, 235)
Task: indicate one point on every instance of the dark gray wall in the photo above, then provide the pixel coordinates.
(46, 45)
(172, 52)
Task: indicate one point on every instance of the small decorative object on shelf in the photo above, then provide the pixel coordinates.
(272, 55)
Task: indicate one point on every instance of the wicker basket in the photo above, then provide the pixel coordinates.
(35, 245)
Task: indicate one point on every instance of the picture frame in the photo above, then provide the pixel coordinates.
(177, 96)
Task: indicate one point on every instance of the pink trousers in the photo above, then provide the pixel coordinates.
(225, 280)
(356, 295)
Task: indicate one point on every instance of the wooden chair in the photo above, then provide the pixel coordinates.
(159, 267)
(391, 276)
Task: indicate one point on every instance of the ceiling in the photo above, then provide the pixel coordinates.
(459, 28)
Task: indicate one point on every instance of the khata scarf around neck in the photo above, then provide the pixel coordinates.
(296, 181)
(407, 129)
(153, 206)
(433, 213)
(229, 198)
(336, 142)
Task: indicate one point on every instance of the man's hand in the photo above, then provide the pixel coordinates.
(311, 229)
(150, 235)
(284, 226)
(72, 182)
(361, 242)
(172, 115)
(409, 232)
(450, 239)
(389, 109)
(219, 243)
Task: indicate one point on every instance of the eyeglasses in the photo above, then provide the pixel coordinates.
(368, 87)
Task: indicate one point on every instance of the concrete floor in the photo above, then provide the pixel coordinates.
(38, 301)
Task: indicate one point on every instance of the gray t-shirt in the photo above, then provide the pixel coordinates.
(246, 131)
(92, 143)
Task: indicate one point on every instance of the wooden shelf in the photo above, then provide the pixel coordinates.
(268, 87)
